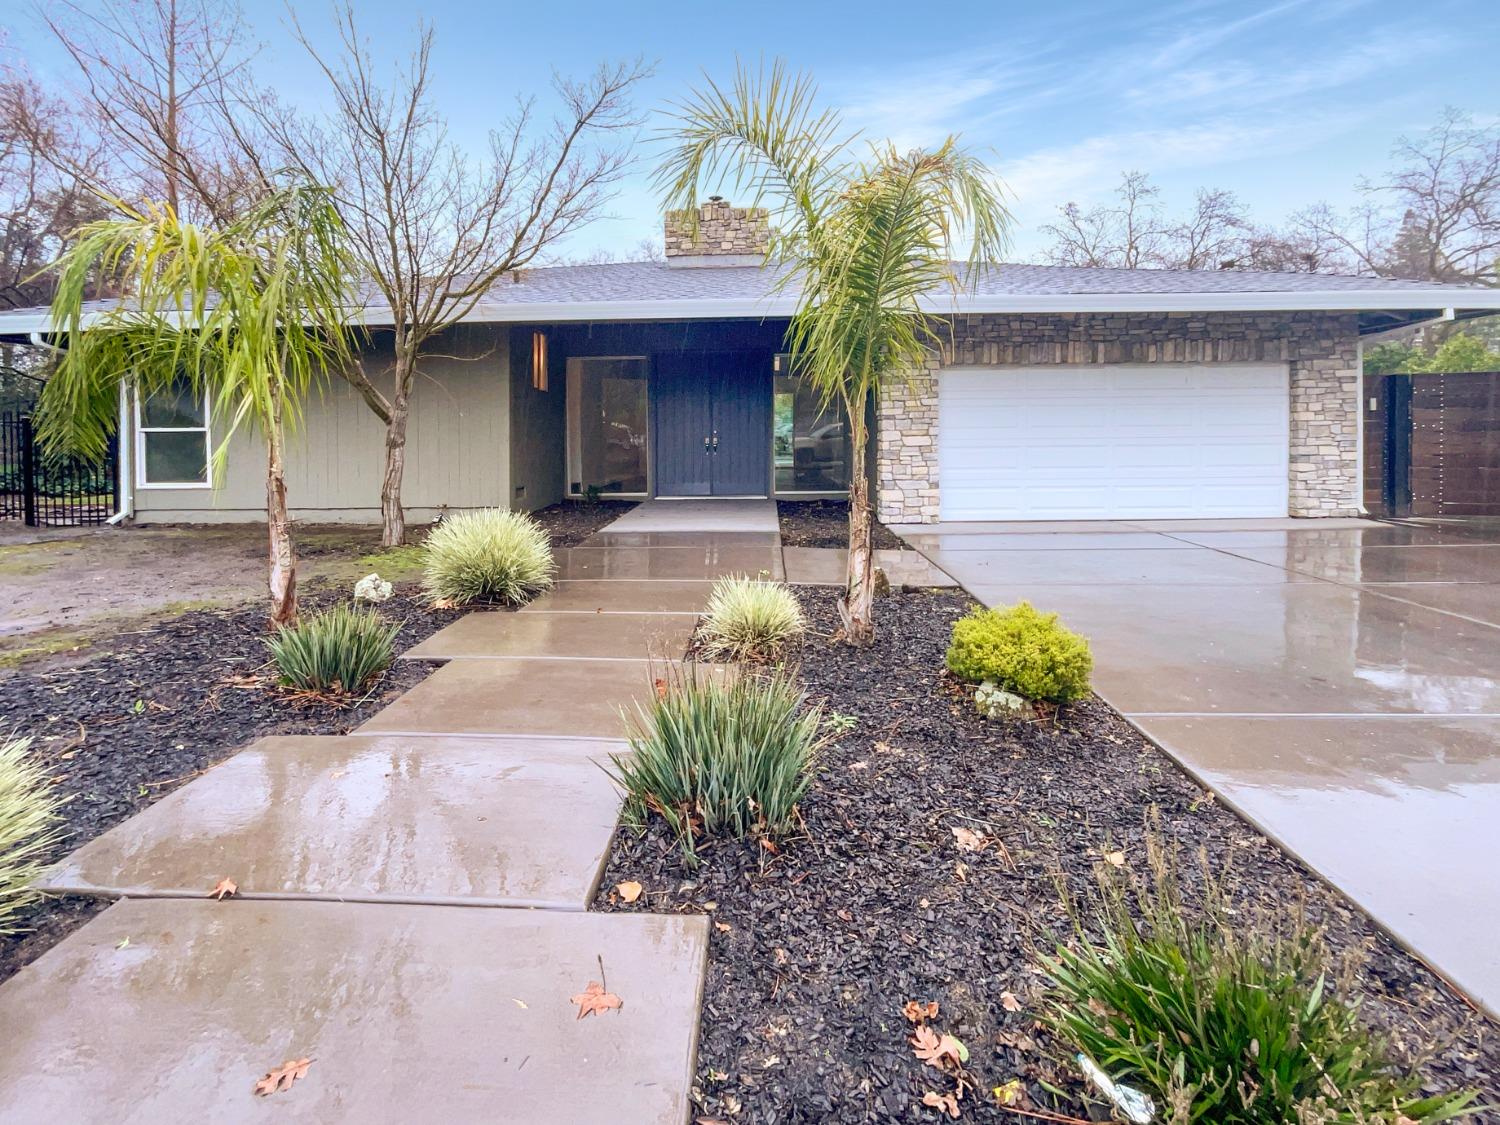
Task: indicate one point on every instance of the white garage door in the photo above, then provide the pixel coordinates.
(1121, 441)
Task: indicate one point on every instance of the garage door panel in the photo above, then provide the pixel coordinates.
(1113, 442)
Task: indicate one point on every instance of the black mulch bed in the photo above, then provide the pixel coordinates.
(825, 523)
(814, 951)
(573, 521)
(154, 707)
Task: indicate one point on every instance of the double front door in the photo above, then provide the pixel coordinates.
(713, 424)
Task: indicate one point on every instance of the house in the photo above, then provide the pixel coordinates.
(1063, 393)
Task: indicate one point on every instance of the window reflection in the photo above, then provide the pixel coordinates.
(607, 424)
(811, 442)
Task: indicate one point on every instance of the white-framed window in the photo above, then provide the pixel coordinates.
(171, 439)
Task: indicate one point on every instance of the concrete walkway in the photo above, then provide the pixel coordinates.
(370, 932)
(1335, 681)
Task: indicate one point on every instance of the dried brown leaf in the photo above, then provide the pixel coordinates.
(948, 1103)
(224, 888)
(629, 890)
(282, 1077)
(595, 999)
(917, 1013)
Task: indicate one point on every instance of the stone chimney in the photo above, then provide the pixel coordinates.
(727, 236)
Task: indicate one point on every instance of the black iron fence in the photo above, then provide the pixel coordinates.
(44, 491)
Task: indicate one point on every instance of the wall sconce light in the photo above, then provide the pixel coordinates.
(539, 360)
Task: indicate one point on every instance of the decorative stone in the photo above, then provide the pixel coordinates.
(372, 588)
(994, 702)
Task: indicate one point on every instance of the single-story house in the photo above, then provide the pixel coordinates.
(1064, 393)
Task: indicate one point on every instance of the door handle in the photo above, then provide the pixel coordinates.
(707, 448)
(716, 441)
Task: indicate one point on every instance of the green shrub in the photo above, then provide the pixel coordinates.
(28, 811)
(750, 619)
(1024, 651)
(1224, 1016)
(486, 555)
(728, 755)
(341, 650)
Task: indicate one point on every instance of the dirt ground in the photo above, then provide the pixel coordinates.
(61, 589)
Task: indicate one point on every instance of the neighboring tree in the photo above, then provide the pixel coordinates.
(1459, 352)
(1135, 233)
(434, 227)
(1391, 358)
(253, 313)
(162, 81)
(869, 241)
(1435, 217)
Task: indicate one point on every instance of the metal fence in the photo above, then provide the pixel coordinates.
(44, 491)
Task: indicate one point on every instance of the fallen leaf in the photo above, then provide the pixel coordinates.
(1117, 859)
(443, 603)
(968, 840)
(781, 956)
(1011, 1093)
(859, 765)
(124, 941)
(916, 1013)
(282, 1077)
(769, 845)
(961, 871)
(723, 927)
(948, 1103)
(223, 889)
(595, 999)
(845, 915)
(1009, 1002)
(519, 1003)
(629, 890)
(661, 689)
(336, 774)
(935, 1051)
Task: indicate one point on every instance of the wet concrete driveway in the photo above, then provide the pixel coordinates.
(1337, 682)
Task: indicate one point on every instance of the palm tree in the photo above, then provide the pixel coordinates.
(869, 240)
(250, 315)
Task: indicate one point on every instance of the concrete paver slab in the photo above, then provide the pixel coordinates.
(1472, 600)
(1363, 563)
(605, 636)
(384, 819)
(170, 1011)
(1388, 809)
(825, 566)
(622, 596)
(692, 563)
(1298, 648)
(1130, 567)
(699, 516)
(1045, 541)
(1315, 535)
(699, 540)
(572, 698)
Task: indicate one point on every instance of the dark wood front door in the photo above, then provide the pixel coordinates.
(713, 424)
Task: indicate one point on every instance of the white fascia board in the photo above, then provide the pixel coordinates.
(783, 305)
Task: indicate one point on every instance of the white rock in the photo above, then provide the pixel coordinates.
(372, 588)
(994, 702)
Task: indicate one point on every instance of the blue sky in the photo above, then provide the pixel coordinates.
(1285, 103)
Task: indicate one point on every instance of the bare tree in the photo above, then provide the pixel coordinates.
(1435, 217)
(435, 226)
(158, 77)
(1208, 237)
(1127, 235)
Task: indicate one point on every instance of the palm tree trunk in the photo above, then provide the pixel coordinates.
(857, 608)
(278, 524)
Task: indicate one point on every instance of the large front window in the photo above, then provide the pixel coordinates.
(811, 441)
(607, 425)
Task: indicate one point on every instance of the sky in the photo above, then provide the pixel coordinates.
(1285, 102)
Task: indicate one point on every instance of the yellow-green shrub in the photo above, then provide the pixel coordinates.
(1023, 650)
(28, 817)
(750, 619)
(486, 555)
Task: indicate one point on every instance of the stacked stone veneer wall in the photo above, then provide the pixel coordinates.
(722, 229)
(1320, 349)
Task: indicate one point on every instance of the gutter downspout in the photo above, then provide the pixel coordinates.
(126, 509)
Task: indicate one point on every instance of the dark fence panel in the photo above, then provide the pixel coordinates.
(46, 491)
(1439, 437)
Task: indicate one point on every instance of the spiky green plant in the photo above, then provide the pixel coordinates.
(337, 651)
(1024, 651)
(28, 816)
(750, 619)
(720, 755)
(870, 242)
(1224, 1016)
(486, 555)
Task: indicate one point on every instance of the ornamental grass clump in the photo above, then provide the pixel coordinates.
(750, 619)
(720, 755)
(339, 651)
(1224, 1016)
(28, 815)
(486, 555)
(1023, 651)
